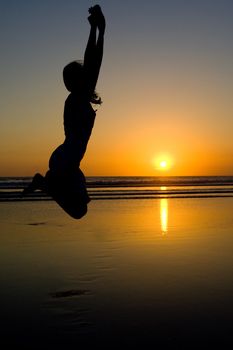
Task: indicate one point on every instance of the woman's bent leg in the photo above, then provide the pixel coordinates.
(69, 191)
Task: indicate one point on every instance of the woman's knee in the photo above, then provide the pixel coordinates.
(79, 212)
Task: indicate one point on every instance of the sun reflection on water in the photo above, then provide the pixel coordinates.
(164, 215)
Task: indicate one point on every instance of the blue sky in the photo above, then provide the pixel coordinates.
(167, 69)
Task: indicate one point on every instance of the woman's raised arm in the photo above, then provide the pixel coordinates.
(94, 50)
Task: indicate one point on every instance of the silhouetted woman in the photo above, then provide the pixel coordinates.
(64, 180)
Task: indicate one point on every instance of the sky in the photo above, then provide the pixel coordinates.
(166, 82)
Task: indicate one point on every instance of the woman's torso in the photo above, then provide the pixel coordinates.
(79, 116)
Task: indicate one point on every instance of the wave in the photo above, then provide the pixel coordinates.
(129, 181)
(132, 187)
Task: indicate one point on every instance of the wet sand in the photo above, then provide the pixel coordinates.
(131, 272)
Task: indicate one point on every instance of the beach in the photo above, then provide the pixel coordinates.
(148, 271)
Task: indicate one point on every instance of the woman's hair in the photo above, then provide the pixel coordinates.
(73, 73)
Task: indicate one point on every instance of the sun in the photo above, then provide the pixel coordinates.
(163, 162)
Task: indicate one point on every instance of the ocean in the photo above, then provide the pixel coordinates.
(136, 187)
(149, 265)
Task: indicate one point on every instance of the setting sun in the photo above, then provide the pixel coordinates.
(163, 162)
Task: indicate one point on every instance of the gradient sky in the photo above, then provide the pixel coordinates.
(166, 82)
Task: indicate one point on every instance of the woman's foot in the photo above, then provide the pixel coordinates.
(38, 183)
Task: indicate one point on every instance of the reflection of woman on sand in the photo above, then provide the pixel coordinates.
(64, 180)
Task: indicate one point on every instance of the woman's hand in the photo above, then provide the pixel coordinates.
(97, 18)
(94, 9)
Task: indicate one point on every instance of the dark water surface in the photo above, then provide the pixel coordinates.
(132, 272)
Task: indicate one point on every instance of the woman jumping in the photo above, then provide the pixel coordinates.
(64, 180)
